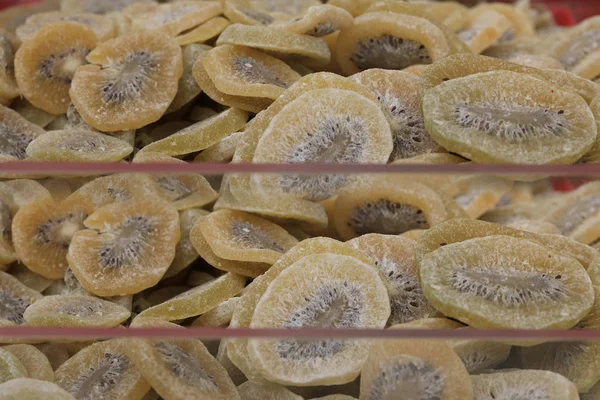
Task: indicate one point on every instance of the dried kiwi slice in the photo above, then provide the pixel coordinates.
(185, 254)
(254, 105)
(187, 88)
(318, 291)
(241, 71)
(394, 256)
(575, 361)
(244, 268)
(75, 311)
(524, 384)
(46, 63)
(484, 30)
(398, 93)
(507, 117)
(576, 215)
(476, 282)
(205, 32)
(15, 134)
(290, 46)
(414, 369)
(32, 389)
(200, 135)
(265, 390)
(242, 316)
(389, 41)
(77, 145)
(8, 84)
(117, 188)
(574, 47)
(521, 25)
(135, 71)
(239, 236)
(102, 371)
(198, 300)
(184, 191)
(458, 230)
(34, 361)
(478, 194)
(319, 21)
(177, 17)
(124, 240)
(10, 367)
(222, 151)
(387, 206)
(219, 316)
(462, 65)
(42, 232)
(102, 25)
(181, 369)
(352, 130)
(14, 300)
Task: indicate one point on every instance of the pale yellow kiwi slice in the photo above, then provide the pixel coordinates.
(319, 21)
(521, 26)
(127, 247)
(45, 64)
(389, 41)
(8, 84)
(484, 30)
(318, 291)
(77, 146)
(203, 33)
(32, 389)
(525, 383)
(476, 282)
(36, 363)
(188, 88)
(177, 17)
(15, 297)
(241, 71)
(16, 134)
(304, 49)
(137, 71)
(102, 25)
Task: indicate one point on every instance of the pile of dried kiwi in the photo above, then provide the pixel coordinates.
(273, 81)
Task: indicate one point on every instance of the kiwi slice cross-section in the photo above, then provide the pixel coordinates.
(242, 315)
(398, 93)
(394, 256)
(488, 117)
(389, 41)
(102, 371)
(36, 363)
(75, 311)
(529, 384)
(462, 65)
(137, 71)
(45, 64)
(177, 17)
(101, 25)
(387, 206)
(42, 231)
(15, 134)
(125, 240)
(239, 236)
(33, 389)
(290, 46)
(241, 71)
(200, 135)
(181, 370)
(319, 21)
(77, 146)
(484, 30)
(205, 32)
(461, 229)
(476, 282)
(187, 88)
(10, 367)
(352, 130)
(14, 300)
(8, 84)
(198, 300)
(414, 369)
(318, 291)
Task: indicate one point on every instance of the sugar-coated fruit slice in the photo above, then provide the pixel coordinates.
(130, 83)
(318, 291)
(32, 389)
(34, 361)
